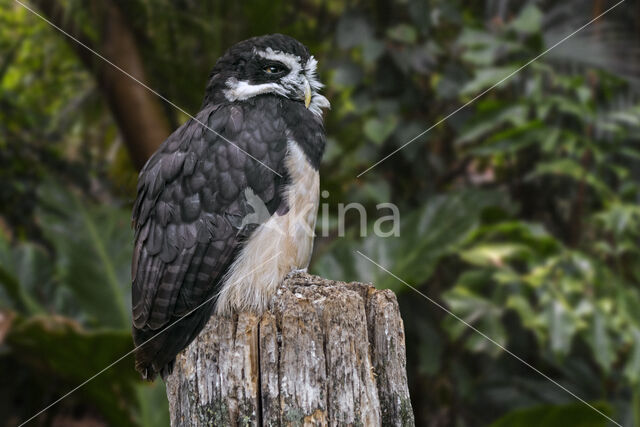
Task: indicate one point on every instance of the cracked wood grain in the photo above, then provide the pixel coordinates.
(327, 353)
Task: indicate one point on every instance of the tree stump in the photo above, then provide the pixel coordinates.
(327, 353)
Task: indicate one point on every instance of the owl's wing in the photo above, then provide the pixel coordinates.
(188, 219)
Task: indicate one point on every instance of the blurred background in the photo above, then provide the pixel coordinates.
(519, 213)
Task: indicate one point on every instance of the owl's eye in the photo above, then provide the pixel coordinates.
(274, 69)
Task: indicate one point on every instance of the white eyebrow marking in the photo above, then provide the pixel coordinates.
(293, 62)
(241, 90)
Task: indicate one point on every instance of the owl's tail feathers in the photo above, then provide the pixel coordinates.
(150, 355)
(150, 371)
(156, 350)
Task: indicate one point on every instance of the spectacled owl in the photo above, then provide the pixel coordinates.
(252, 151)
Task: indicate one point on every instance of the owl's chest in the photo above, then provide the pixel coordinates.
(290, 231)
(281, 244)
(301, 195)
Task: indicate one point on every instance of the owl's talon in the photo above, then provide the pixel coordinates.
(294, 272)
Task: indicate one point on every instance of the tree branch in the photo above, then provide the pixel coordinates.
(137, 112)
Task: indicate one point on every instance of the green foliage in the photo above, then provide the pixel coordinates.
(553, 257)
(24, 270)
(93, 246)
(438, 229)
(519, 213)
(57, 345)
(575, 414)
(72, 318)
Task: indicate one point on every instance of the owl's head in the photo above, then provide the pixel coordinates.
(273, 64)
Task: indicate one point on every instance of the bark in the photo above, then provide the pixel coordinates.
(327, 353)
(137, 112)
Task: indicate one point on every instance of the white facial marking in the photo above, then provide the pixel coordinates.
(318, 102)
(294, 81)
(290, 60)
(241, 90)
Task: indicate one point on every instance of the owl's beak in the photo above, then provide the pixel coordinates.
(307, 93)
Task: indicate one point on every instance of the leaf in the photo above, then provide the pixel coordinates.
(632, 368)
(63, 351)
(602, 347)
(529, 20)
(486, 78)
(492, 254)
(482, 56)
(572, 169)
(561, 328)
(515, 115)
(479, 312)
(533, 236)
(403, 33)
(573, 414)
(471, 37)
(94, 247)
(529, 318)
(24, 270)
(378, 130)
(482, 48)
(620, 218)
(377, 190)
(353, 30)
(433, 231)
(346, 74)
(371, 51)
(426, 235)
(627, 117)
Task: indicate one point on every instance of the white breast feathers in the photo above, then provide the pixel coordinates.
(281, 244)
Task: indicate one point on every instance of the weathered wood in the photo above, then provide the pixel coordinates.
(327, 353)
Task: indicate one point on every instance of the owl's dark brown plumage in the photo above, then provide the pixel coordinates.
(188, 215)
